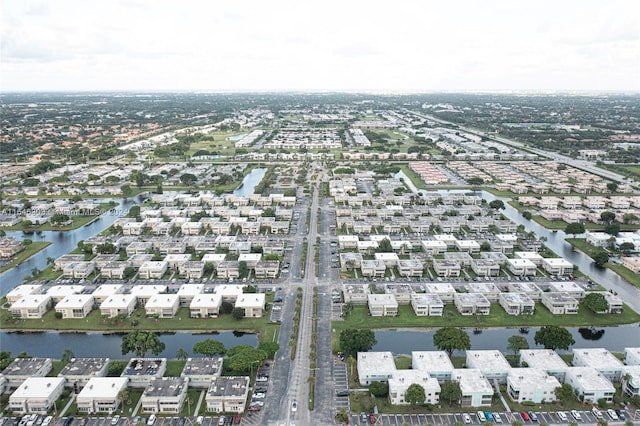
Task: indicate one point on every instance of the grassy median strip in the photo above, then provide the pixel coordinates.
(312, 353)
(293, 341)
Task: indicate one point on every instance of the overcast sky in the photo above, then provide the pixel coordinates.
(345, 45)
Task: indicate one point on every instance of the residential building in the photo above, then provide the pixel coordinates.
(436, 363)
(227, 394)
(375, 367)
(142, 371)
(632, 356)
(402, 292)
(153, 269)
(373, 268)
(544, 359)
(528, 288)
(446, 268)
(145, 292)
(557, 266)
(100, 395)
(472, 304)
(252, 303)
(589, 384)
(529, 255)
(205, 305)
(489, 289)
(631, 380)
(76, 306)
(164, 395)
(201, 371)
(22, 290)
(382, 305)
(427, 304)
(531, 384)
(517, 303)
(521, 267)
(476, 389)
(410, 268)
(21, 369)
(230, 292)
(559, 303)
(104, 291)
(485, 267)
(187, 292)
(59, 292)
(31, 306)
(600, 359)
(445, 291)
(571, 288)
(78, 270)
(79, 371)
(162, 305)
(36, 395)
(267, 269)
(402, 379)
(118, 304)
(356, 294)
(491, 363)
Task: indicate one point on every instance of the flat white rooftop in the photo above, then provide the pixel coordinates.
(431, 361)
(545, 359)
(590, 379)
(103, 387)
(148, 290)
(375, 362)
(37, 387)
(531, 378)
(190, 289)
(471, 381)
(487, 360)
(598, 358)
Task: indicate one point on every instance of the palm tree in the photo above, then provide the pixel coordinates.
(123, 396)
(181, 354)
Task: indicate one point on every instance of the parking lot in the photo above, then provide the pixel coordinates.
(341, 382)
(586, 417)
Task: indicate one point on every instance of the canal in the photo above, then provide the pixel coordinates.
(612, 338)
(52, 344)
(249, 182)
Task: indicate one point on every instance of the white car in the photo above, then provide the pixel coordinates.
(115, 419)
(576, 415)
(466, 418)
(259, 395)
(562, 415)
(497, 418)
(612, 413)
(294, 406)
(151, 420)
(596, 413)
(47, 421)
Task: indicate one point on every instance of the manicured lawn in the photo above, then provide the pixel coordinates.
(359, 318)
(174, 368)
(417, 181)
(625, 273)
(182, 321)
(29, 251)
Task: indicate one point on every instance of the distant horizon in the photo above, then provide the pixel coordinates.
(328, 92)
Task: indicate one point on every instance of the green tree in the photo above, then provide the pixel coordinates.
(554, 337)
(209, 347)
(379, 389)
(596, 302)
(574, 228)
(126, 190)
(564, 393)
(497, 204)
(188, 179)
(600, 258)
(243, 358)
(140, 342)
(67, 355)
(181, 354)
(384, 246)
(415, 395)
(269, 348)
(354, 340)
(59, 218)
(450, 339)
(242, 268)
(517, 343)
(612, 186)
(237, 313)
(123, 396)
(450, 390)
(629, 217)
(612, 229)
(607, 216)
(527, 215)
(129, 272)
(627, 246)
(343, 416)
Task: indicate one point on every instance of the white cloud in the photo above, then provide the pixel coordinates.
(319, 45)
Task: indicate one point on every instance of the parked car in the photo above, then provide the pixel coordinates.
(199, 420)
(497, 418)
(612, 413)
(533, 416)
(488, 416)
(151, 420)
(576, 415)
(525, 416)
(481, 417)
(254, 408)
(596, 413)
(294, 406)
(115, 419)
(47, 420)
(221, 421)
(342, 393)
(466, 418)
(621, 414)
(562, 415)
(259, 395)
